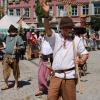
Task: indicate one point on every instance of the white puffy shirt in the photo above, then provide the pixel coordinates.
(63, 56)
(45, 47)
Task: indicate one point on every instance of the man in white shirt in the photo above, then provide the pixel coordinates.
(46, 55)
(66, 47)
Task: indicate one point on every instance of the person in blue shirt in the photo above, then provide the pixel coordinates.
(11, 57)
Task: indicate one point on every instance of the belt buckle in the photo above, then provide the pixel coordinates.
(64, 75)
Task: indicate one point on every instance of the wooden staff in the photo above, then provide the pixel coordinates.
(80, 84)
(77, 70)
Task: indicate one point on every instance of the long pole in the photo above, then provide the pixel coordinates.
(77, 69)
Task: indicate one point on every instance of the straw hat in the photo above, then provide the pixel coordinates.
(78, 29)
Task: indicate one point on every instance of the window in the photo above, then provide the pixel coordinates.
(60, 10)
(10, 1)
(18, 12)
(26, 12)
(74, 10)
(11, 12)
(85, 9)
(97, 9)
(17, 1)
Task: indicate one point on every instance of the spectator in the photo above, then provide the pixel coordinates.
(11, 58)
(46, 53)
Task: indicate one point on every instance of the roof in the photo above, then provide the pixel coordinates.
(7, 20)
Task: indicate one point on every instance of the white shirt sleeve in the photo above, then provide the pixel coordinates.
(81, 48)
(4, 45)
(51, 40)
(46, 48)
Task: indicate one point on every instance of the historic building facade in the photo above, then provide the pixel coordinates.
(24, 8)
(79, 10)
(1, 8)
(95, 7)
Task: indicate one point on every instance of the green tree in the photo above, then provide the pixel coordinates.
(95, 22)
(20, 30)
(39, 12)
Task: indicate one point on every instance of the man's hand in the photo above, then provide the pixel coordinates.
(44, 6)
(81, 60)
(77, 60)
(15, 47)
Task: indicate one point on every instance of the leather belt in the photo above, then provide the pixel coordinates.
(63, 71)
(45, 57)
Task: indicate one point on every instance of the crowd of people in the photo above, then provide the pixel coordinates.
(59, 54)
(92, 41)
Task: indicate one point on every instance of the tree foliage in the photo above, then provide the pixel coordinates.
(95, 22)
(39, 12)
(20, 30)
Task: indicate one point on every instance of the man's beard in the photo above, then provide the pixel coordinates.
(69, 36)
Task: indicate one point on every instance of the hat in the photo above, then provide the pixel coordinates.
(66, 22)
(78, 29)
(78, 26)
(12, 28)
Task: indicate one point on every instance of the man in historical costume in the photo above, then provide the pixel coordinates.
(63, 82)
(44, 63)
(11, 57)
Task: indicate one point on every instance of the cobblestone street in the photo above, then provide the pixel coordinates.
(28, 81)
